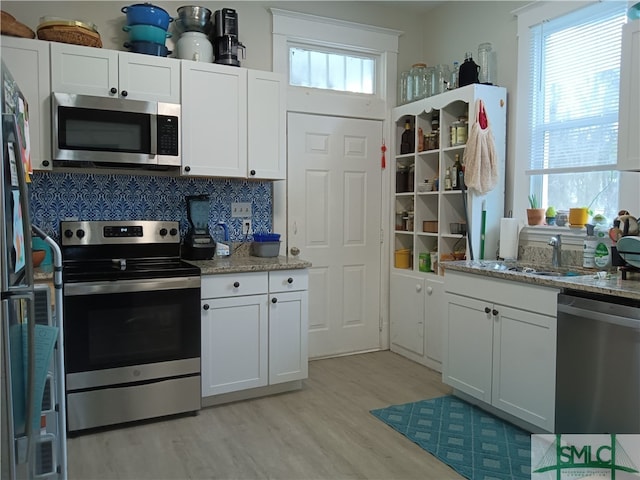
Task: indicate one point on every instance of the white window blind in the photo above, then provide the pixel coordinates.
(574, 78)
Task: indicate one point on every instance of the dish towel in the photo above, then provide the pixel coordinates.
(480, 158)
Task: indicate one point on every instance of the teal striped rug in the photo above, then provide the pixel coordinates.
(476, 444)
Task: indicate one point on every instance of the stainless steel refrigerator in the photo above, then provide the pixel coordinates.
(33, 439)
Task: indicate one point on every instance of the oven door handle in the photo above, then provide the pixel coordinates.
(129, 286)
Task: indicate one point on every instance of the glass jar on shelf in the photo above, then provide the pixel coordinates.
(402, 178)
(417, 75)
(404, 83)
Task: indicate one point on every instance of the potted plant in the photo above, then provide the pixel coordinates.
(535, 214)
(550, 215)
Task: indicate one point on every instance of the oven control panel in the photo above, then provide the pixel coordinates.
(118, 232)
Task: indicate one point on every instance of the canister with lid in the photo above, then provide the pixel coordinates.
(417, 73)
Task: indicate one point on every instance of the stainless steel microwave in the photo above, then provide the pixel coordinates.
(102, 131)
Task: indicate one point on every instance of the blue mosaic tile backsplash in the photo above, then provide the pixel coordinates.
(70, 196)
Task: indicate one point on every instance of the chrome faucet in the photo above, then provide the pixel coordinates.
(556, 243)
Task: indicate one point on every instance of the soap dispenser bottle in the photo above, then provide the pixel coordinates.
(221, 236)
(589, 248)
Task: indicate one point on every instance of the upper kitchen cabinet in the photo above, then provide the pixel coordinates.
(267, 107)
(28, 62)
(629, 113)
(110, 73)
(233, 122)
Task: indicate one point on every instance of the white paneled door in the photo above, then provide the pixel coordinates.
(334, 214)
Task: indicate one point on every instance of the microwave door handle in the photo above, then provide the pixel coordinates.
(153, 150)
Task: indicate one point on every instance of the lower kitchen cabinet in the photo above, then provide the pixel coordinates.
(254, 330)
(417, 315)
(500, 345)
(234, 341)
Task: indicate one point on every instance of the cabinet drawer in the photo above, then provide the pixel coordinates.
(525, 296)
(288, 280)
(234, 284)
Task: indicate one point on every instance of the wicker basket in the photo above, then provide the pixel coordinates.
(70, 34)
(10, 26)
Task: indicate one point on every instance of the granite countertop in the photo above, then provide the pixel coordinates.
(584, 281)
(230, 264)
(246, 263)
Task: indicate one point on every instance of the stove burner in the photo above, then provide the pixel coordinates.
(100, 253)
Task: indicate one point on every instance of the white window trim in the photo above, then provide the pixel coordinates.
(529, 15)
(299, 28)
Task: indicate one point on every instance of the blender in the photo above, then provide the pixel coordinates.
(198, 243)
(225, 37)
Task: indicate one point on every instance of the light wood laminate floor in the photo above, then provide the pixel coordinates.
(324, 431)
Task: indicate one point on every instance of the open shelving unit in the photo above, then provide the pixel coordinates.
(447, 206)
(417, 306)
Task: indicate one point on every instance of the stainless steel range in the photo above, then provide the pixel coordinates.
(132, 315)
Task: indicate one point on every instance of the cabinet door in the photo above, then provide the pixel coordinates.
(149, 78)
(288, 353)
(266, 125)
(234, 344)
(84, 70)
(468, 347)
(214, 120)
(407, 313)
(524, 360)
(629, 113)
(434, 317)
(28, 62)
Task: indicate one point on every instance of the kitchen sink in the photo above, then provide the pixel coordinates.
(532, 269)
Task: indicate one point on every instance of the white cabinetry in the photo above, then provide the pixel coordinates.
(234, 332)
(254, 330)
(628, 138)
(442, 207)
(288, 325)
(28, 62)
(417, 315)
(421, 219)
(233, 122)
(110, 73)
(500, 345)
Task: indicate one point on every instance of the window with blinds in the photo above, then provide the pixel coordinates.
(573, 112)
(331, 70)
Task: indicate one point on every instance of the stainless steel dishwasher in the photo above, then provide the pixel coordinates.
(598, 364)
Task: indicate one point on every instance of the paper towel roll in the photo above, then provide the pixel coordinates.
(509, 232)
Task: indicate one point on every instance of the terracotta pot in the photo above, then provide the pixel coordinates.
(535, 216)
(578, 217)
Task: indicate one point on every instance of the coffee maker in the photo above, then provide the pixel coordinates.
(225, 37)
(198, 243)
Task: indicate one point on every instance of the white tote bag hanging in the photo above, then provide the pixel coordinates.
(480, 158)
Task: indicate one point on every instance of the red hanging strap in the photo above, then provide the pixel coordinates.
(482, 116)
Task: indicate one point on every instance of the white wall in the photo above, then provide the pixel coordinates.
(254, 20)
(458, 27)
(441, 34)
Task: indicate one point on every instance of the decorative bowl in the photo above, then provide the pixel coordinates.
(37, 257)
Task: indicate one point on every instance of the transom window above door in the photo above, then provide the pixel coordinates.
(331, 70)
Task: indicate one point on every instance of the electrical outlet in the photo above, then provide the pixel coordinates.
(246, 226)
(241, 209)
